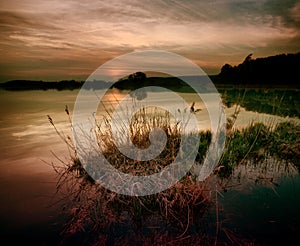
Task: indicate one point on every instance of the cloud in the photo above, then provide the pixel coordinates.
(294, 13)
(54, 35)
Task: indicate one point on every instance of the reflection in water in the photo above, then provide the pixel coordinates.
(139, 95)
(28, 185)
(276, 102)
(266, 172)
(266, 212)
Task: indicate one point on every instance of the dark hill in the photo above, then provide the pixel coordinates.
(273, 70)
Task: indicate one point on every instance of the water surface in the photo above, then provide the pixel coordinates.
(28, 183)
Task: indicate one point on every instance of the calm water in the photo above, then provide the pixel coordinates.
(28, 183)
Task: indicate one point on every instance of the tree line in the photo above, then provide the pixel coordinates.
(279, 69)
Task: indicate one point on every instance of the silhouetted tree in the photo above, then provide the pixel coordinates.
(227, 71)
(138, 79)
(247, 59)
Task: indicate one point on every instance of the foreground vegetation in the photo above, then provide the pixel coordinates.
(103, 217)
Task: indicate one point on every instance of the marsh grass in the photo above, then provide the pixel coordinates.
(257, 142)
(143, 122)
(98, 211)
(284, 142)
(104, 217)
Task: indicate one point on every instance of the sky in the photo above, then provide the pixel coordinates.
(56, 40)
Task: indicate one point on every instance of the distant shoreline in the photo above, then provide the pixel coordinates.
(282, 100)
(273, 72)
(170, 82)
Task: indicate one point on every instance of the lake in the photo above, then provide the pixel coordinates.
(262, 212)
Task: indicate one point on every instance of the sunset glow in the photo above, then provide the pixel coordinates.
(53, 40)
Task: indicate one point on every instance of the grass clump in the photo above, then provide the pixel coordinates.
(140, 127)
(241, 144)
(285, 142)
(107, 217)
(258, 141)
(102, 213)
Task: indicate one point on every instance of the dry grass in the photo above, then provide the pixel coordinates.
(140, 127)
(94, 209)
(100, 213)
